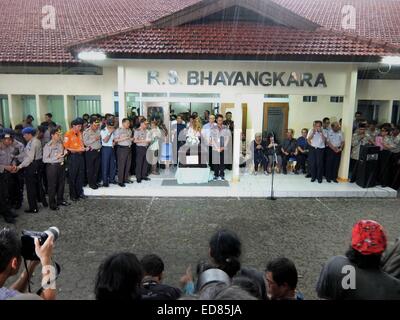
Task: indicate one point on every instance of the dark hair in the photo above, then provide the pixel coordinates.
(219, 116)
(225, 249)
(325, 119)
(42, 129)
(49, 115)
(143, 120)
(371, 261)
(19, 127)
(283, 271)
(233, 293)
(152, 265)
(359, 112)
(318, 121)
(257, 278)
(228, 113)
(119, 278)
(125, 120)
(373, 122)
(248, 285)
(10, 247)
(54, 131)
(362, 125)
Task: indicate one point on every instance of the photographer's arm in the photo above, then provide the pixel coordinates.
(45, 253)
(22, 283)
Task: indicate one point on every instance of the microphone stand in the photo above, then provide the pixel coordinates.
(274, 161)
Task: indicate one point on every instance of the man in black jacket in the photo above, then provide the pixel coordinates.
(289, 149)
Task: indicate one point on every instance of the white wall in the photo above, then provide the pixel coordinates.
(378, 90)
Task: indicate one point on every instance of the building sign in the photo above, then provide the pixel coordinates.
(239, 78)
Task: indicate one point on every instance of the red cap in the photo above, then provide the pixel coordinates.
(368, 237)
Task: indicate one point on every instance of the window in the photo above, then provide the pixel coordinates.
(310, 98)
(336, 99)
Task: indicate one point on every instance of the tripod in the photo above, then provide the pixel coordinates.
(274, 162)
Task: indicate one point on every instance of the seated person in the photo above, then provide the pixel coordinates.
(358, 275)
(258, 149)
(288, 149)
(274, 154)
(152, 286)
(302, 151)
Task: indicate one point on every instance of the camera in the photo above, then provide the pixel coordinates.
(28, 242)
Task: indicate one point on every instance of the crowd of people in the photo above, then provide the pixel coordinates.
(96, 151)
(368, 270)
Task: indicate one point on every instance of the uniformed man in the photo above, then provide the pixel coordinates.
(73, 143)
(92, 141)
(16, 180)
(142, 140)
(123, 138)
(53, 156)
(316, 140)
(33, 154)
(335, 142)
(6, 169)
(108, 164)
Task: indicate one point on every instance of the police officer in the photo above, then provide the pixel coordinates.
(16, 180)
(317, 141)
(33, 154)
(73, 143)
(92, 141)
(6, 169)
(53, 156)
(335, 145)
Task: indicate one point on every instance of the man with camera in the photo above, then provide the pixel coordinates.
(10, 260)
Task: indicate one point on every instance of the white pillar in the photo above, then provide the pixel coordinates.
(349, 109)
(237, 118)
(121, 94)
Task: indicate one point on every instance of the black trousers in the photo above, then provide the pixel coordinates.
(133, 158)
(218, 163)
(124, 158)
(76, 167)
(285, 160)
(141, 163)
(16, 188)
(332, 164)
(301, 161)
(56, 183)
(4, 196)
(316, 162)
(386, 169)
(92, 166)
(32, 184)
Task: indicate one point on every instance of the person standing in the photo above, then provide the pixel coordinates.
(206, 138)
(154, 147)
(33, 154)
(220, 137)
(229, 123)
(73, 143)
(289, 150)
(335, 143)
(92, 141)
(123, 138)
(360, 138)
(28, 121)
(6, 169)
(53, 156)
(142, 140)
(108, 165)
(317, 141)
(302, 152)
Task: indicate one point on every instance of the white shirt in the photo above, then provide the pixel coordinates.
(317, 140)
(104, 134)
(335, 138)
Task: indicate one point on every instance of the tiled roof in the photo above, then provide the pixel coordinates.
(375, 19)
(22, 38)
(233, 39)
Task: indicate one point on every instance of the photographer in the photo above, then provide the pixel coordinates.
(10, 261)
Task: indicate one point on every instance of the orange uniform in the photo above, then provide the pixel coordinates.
(73, 141)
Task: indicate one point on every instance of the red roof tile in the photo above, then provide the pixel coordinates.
(375, 19)
(238, 39)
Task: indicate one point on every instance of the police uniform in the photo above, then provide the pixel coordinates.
(5, 161)
(92, 140)
(124, 154)
(141, 150)
(332, 163)
(55, 171)
(73, 142)
(16, 180)
(33, 155)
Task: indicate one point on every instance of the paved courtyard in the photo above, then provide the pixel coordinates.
(308, 231)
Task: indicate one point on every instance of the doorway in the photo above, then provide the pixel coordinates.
(276, 115)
